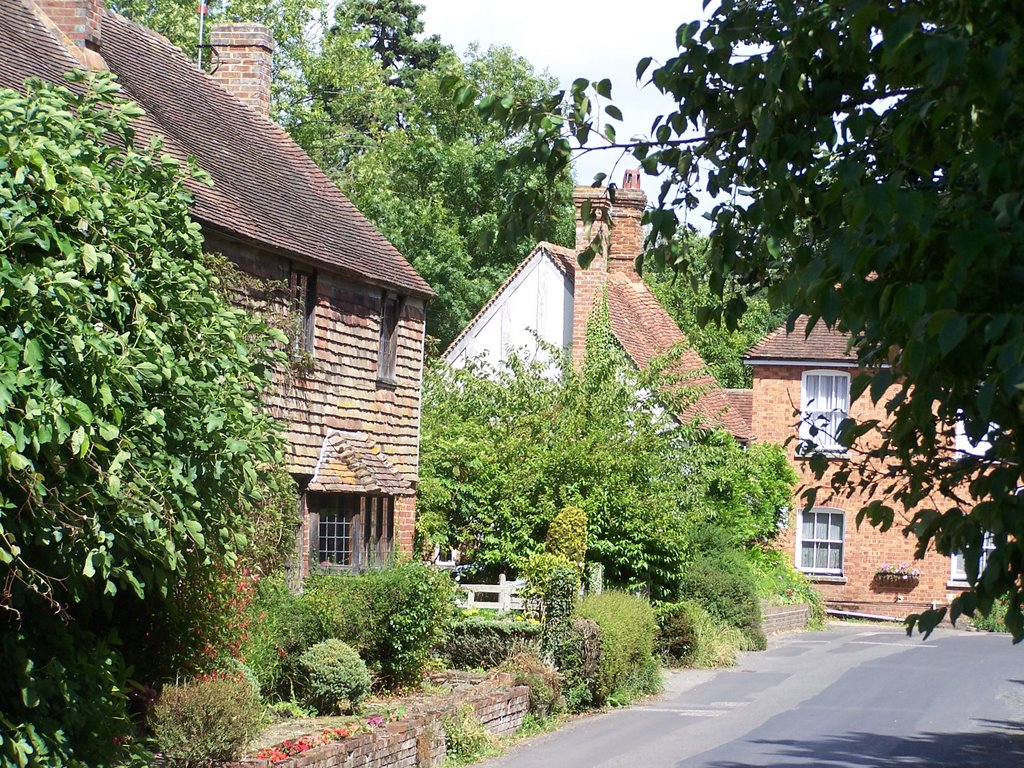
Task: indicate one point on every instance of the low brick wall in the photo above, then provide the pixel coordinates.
(785, 618)
(415, 742)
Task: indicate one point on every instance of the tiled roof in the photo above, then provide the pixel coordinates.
(741, 402)
(820, 345)
(266, 189)
(646, 331)
(351, 462)
(564, 260)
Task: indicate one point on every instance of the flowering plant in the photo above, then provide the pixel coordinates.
(293, 747)
(903, 571)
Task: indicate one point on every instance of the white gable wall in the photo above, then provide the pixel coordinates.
(538, 299)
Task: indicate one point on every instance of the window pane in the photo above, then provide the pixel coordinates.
(821, 556)
(821, 527)
(835, 557)
(835, 529)
(807, 525)
(807, 556)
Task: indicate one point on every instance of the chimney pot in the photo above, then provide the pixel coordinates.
(631, 179)
(244, 57)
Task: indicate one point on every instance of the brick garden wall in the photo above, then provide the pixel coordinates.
(784, 618)
(415, 742)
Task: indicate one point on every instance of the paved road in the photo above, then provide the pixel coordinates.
(855, 696)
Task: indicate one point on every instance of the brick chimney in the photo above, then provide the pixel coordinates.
(79, 22)
(622, 242)
(243, 55)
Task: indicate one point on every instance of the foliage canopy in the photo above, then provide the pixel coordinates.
(504, 453)
(869, 157)
(133, 439)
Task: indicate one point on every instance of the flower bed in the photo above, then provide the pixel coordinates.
(397, 738)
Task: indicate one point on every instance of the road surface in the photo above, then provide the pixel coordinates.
(854, 696)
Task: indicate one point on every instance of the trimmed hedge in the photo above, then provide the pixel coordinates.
(725, 587)
(480, 641)
(628, 632)
(574, 647)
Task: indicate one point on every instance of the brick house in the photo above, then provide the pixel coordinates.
(351, 410)
(548, 300)
(802, 379)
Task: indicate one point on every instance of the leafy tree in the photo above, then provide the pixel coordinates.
(503, 453)
(695, 307)
(424, 172)
(133, 442)
(394, 30)
(869, 154)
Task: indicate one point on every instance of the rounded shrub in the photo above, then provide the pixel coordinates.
(628, 633)
(545, 571)
(725, 587)
(206, 721)
(333, 675)
(567, 535)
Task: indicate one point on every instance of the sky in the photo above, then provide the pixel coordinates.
(594, 39)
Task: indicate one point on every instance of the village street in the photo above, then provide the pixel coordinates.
(856, 695)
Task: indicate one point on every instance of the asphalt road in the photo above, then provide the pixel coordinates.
(854, 696)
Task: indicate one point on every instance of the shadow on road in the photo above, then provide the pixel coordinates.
(1000, 748)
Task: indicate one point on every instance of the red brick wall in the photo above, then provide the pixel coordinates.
(79, 20)
(243, 59)
(776, 402)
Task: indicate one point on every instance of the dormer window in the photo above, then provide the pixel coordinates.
(824, 403)
(390, 311)
(302, 287)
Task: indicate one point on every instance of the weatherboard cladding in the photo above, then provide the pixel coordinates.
(821, 344)
(564, 260)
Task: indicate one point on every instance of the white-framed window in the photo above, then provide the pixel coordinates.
(820, 536)
(824, 403)
(957, 568)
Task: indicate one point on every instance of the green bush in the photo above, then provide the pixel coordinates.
(478, 641)
(543, 680)
(688, 636)
(725, 587)
(333, 674)
(574, 647)
(996, 619)
(205, 721)
(281, 627)
(541, 568)
(465, 737)
(628, 632)
(392, 616)
(780, 583)
(567, 535)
